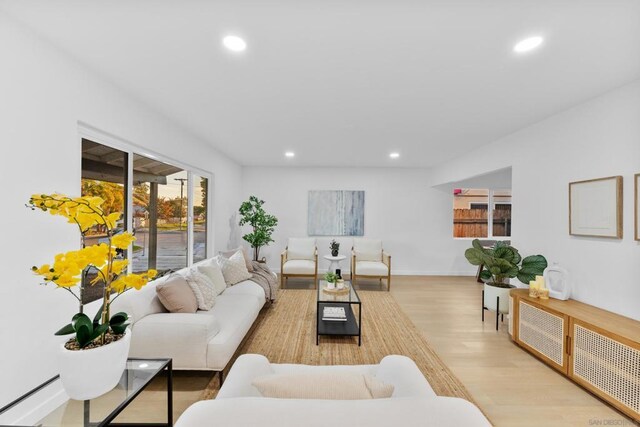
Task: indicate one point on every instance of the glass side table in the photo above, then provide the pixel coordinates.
(48, 405)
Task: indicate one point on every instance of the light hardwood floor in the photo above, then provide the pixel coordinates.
(512, 387)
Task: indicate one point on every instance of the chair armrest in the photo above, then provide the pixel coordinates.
(386, 259)
(283, 256)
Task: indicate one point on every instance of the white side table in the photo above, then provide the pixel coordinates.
(334, 261)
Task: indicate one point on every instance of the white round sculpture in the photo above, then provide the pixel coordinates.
(557, 280)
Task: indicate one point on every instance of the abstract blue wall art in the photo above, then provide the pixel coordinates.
(336, 213)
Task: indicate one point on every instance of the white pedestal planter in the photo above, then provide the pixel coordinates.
(495, 299)
(87, 374)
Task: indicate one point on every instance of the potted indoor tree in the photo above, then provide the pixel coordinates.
(91, 363)
(262, 224)
(501, 263)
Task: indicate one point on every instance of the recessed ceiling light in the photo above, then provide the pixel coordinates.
(394, 155)
(289, 154)
(234, 43)
(528, 44)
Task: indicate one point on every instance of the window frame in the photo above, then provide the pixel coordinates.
(490, 202)
(86, 131)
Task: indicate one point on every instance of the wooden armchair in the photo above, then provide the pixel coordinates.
(369, 260)
(299, 259)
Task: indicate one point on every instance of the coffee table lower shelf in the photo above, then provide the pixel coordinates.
(351, 327)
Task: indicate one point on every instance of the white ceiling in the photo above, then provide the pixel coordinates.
(344, 83)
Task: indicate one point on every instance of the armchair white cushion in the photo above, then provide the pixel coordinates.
(368, 249)
(299, 259)
(301, 249)
(371, 268)
(299, 266)
(368, 259)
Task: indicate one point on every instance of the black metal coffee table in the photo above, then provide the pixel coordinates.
(348, 300)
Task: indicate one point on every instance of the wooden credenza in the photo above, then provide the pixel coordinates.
(597, 349)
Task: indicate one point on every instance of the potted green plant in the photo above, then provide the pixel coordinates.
(331, 279)
(262, 224)
(91, 363)
(335, 247)
(501, 263)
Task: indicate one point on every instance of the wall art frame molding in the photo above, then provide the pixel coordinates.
(595, 207)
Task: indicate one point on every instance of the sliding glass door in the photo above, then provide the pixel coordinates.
(168, 205)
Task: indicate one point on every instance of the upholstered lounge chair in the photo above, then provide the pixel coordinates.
(299, 259)
(369, 260)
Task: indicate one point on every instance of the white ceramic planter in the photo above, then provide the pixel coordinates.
(490, 298)
(87, 374)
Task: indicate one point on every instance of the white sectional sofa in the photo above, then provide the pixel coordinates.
(413, 402)
(205, 340)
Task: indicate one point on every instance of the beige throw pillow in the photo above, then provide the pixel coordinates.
(176, 295)
(202, 288)
(234, 269)
(332, 386)
(214, 273)
(245, 254)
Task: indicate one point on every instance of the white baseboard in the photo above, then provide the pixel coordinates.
(408, 272)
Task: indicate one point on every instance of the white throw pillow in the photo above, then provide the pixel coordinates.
(214, 273)
(298, 248)
(234, 269)
(325, 385)
(202, 288)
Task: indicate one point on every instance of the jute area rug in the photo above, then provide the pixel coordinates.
(285, 333)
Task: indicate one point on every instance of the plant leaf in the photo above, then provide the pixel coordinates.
(532, 266)
(80, 320)
(101, 329)
(83, 335)
(118, 318)
(66, 330)
(485, 275)
(96, 318)
(477, 245)
(475, 256)
(120, 328)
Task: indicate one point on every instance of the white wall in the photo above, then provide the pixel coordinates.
(413, 220)
(43, 96)
(596, 139)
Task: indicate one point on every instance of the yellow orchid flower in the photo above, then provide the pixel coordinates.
(122, 241)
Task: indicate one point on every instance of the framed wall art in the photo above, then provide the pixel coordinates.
(336, 213)
(595, 207)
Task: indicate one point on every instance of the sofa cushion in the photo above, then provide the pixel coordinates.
(301, 248)
(202, 288)
(234, 269)
(323, 385)
(214, 273)
(181, 336)
(247, 287)
(299, 266)
(368, 249)
(236, 313)
(176, 295)
(371, 268)
(245, 254)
